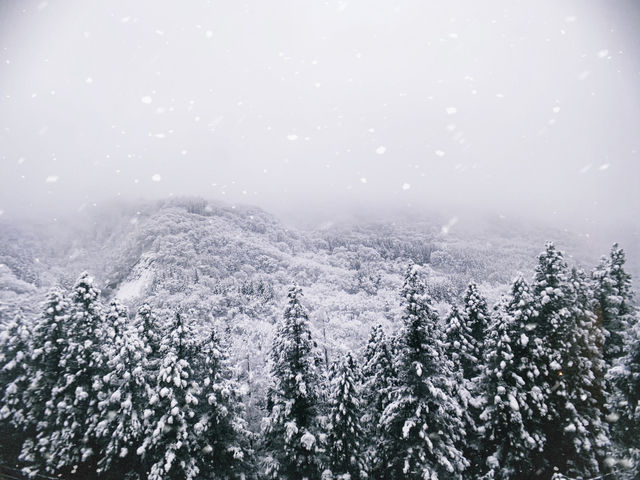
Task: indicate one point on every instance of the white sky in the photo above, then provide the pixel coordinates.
(517, 107)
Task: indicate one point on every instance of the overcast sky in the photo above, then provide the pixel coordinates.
(516, 107)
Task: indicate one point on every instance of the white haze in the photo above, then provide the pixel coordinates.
(517, 108)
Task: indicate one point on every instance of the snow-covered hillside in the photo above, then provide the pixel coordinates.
(219, 277)
(231, 262)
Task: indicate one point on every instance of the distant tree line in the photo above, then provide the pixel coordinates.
(545, 384)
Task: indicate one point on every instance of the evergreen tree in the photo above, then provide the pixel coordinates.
(292, 430)
(173, 440)
(14, 380)
(423, 422)
(65, 442)
(460, 351)
(625, 376)
(460, 345)
(151, 334)
(613, 292)
(378, 376)
(574, 436)
(465, 339)
(226, 452)
(116, 321)
(476, 322)
(41, 363)
(550, 289)
(511, 437)
(584, 371)
(345, 435)
(616, 314)
(123, 400)
(49, 339)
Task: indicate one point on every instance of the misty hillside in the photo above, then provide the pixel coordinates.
(232, 268)
(233, 264)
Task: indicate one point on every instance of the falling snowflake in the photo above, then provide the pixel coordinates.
(51, 179)
(363, 180)
(380, 150)
(292, 137)
(447, 228)
(406, 186)
(146, 99)
(156, 177)
(451, 110)
(583, 75)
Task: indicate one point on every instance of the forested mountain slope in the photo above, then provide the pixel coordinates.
(232, 265)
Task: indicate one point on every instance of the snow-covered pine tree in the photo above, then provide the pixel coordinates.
(14, 380)
(459, 350)
(151, 333)
(116, 321)
(423, 422)
(377, 377)
(292, 430)
(123, 400)
(173, 440)
(562, 326)
(615, 311)
(345, 438)
(459, 344)
(511, 439)
(468, 330)
(154, 337)
(551, 293)
(65, 442)
(625, 376)
(227, 452)
(614, 295)
(584, 371)
(475, 319)
(47, 341)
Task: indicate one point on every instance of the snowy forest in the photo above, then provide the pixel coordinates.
(319, 240)
(543, 384)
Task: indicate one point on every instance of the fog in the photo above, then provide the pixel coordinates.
(516, 108)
